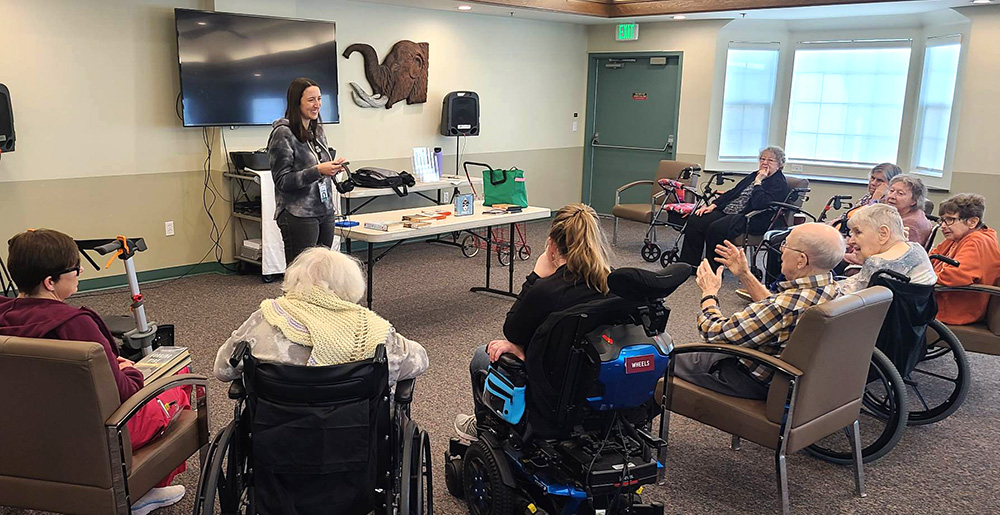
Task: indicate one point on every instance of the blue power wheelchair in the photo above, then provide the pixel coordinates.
(567, 430)
(307, 440)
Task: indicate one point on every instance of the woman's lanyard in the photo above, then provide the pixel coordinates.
(318, 150)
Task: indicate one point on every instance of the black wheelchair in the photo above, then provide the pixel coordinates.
(919, 373)
(317, 440)
(568, 430)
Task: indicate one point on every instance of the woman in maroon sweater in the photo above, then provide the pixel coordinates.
(45, 265)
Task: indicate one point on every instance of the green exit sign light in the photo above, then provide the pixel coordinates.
(627, 32)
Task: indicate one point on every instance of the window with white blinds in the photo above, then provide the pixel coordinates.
(846, 102)
(751, 73)
(937, 95)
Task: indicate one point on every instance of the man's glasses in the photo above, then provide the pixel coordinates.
(784, 245)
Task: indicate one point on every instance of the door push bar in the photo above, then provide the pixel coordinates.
(669, 144)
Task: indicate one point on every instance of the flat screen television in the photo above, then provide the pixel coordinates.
(235, 68)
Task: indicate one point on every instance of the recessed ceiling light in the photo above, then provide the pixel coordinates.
(201, 23)
(680, 17)
(981, 1)
(465, 8)
(256, 75)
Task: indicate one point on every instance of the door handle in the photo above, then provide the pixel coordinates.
(594, 141)
(670, 141)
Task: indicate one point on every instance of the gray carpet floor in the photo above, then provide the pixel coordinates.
(423, 289)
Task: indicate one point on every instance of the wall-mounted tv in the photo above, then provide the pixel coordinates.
(235, 68)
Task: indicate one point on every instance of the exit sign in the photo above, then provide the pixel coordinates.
(627, 32)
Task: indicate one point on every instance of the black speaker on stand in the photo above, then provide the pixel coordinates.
(6, 121)
(460, 117)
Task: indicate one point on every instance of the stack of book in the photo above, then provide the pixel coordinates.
(162, 361)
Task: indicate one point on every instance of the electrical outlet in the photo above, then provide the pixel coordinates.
(446, 196)
(794, 168)
(168, 227)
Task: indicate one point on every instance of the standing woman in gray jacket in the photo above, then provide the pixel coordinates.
(303, 169)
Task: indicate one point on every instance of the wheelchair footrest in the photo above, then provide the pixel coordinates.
(608, 472)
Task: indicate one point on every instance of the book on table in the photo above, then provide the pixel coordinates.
(161, 361)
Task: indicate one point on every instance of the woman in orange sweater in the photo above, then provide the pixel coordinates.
(975, 247)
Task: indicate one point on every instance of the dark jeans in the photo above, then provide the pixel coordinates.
(478, 368)
(298, 233)
(720, 373)
(705, 232)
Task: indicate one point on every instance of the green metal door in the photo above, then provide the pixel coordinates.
(632, 124)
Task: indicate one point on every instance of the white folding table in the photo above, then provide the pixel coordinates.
(452, 223)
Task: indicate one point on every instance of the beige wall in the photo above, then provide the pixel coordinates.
(100, 151)
(977, 161)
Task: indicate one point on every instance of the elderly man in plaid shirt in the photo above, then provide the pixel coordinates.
(807, 256)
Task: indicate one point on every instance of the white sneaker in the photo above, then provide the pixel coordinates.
(158, 498)
(465, 426)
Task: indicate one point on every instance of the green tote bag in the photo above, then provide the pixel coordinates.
(504, 187)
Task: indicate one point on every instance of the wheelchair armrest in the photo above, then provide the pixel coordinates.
(404, 390)
(237, 390)
(510, 362)
(757, 356)
(131, 406)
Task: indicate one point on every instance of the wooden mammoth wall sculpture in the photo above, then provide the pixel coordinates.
(402, 74)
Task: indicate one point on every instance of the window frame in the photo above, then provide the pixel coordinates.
(790, 42)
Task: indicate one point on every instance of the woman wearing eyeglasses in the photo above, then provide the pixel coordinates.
(974, 246)
(45, 266)
(724, 218)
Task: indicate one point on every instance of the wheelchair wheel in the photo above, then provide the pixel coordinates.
(524, 253)
(940, 381)
(485, 492)
(650, 252)
(222, 475)
(469, 248)
(453, 475)
(882, 419)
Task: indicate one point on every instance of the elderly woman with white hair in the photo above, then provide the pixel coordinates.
(725, 217)
(877, 233)
(319, 322)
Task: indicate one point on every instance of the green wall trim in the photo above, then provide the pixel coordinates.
(159, 274)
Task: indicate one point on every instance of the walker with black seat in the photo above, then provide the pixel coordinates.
(678, 210)
(567, 430)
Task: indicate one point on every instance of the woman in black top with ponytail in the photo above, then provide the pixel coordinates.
(573, 269)
(302, 167)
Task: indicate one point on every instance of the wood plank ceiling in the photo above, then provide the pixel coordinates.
(633, 8)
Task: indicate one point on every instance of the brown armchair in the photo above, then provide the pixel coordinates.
(65, 447)
(982, 336)
(816, 391)
(644, 212)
